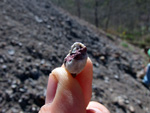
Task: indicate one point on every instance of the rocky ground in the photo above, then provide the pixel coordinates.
(35, 36)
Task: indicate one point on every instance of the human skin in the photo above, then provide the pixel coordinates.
(66, 94)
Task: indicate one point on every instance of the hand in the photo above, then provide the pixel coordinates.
(66, 94)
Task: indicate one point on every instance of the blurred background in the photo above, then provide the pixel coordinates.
(36, 35)
(128, 19)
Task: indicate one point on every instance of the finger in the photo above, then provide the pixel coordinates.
(95, 107)
(45, 108)
(85, 80)
(68, 95)
(51, 89)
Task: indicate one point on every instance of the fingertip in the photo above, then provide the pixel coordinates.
(45, 108)
(96, 108)
(51, 89)
(88, 68)
(68, 92)
(85, 79)
(89, 61)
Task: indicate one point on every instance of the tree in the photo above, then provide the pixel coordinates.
(108, 14)
(78, 6)
(96, 13)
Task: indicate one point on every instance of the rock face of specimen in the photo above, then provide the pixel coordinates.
(76, 59)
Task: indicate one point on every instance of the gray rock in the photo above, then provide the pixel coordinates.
(11, 52)
(131, 109)
(4, 67)
(38, 19)
(116, 77)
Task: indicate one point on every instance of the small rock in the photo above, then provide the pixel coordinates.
(37, 65)
(34, 73)
(96, 64)
(45, 19)
(62, 23)
(116, 77)
(14, 110)
(2, 45)
(126, 101)
(9, 91)
(21, 112)
(11, 52)
(28, 58)
(13, 86)
(16, 82)
(42, 61)
(87, 33)
(93, 95)
(1, 99)
(46, 68)
(22, 74)
(52, 18)
(1, 60)
(102, 58)
(3, 110)
(13, 42)
(24, 100)
(33, 109)
(4, 67)
(111, 90)
(49, 27)
(20, 44)
(75, 33)
(22, 90)
(39, 20)
(39, 99)
(119, 100)
(131, 108)
(106, 79)
(139, 102)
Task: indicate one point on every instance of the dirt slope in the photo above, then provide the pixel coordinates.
(35, 36)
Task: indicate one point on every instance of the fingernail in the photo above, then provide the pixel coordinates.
(51, 89)
(96, 110)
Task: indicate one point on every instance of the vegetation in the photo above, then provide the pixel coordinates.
(129, 19)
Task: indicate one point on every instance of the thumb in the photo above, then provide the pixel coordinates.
(66, 95)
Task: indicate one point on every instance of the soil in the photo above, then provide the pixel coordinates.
(35, 36)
